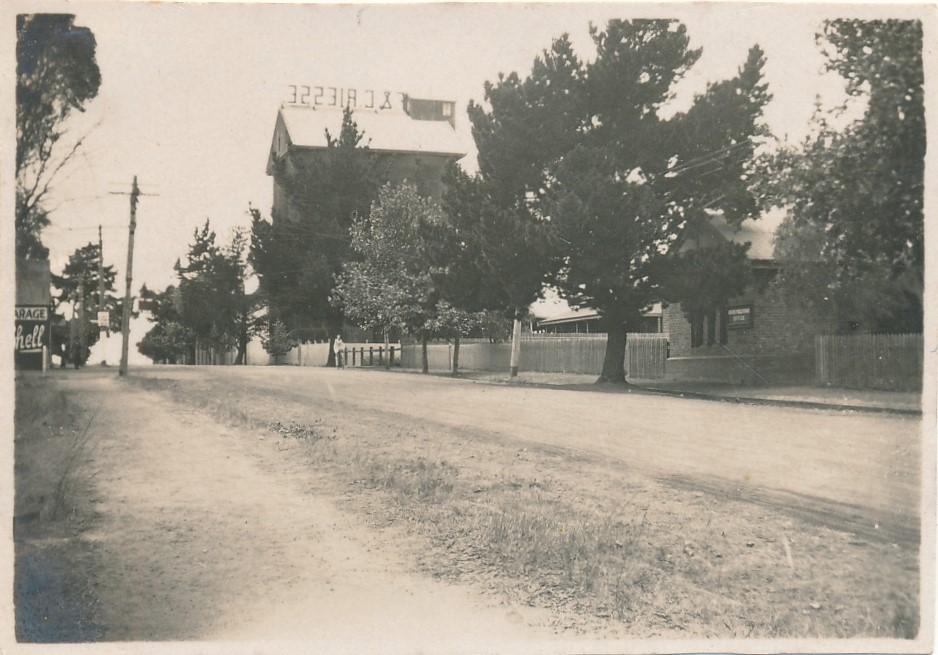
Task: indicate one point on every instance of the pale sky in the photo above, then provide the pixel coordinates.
(189, 94)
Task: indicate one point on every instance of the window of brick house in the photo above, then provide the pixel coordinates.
(711, 327)
(696, 330)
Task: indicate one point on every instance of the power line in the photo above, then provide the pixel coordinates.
(85, 227)
(703, 160)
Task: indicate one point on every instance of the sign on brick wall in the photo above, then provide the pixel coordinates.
(739, 317)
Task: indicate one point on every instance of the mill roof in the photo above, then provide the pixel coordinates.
(384, 131)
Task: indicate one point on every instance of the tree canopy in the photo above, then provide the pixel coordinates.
(81, 274)
(169, 340)
(56, 74)
(854, 235)
(297, 255)
(588, 181)
(212, 299)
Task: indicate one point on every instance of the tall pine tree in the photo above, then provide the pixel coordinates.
(297, 255)
(585, 180)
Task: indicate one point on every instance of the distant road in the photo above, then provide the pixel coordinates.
(867, 465)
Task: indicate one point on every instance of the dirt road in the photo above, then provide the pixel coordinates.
(858, 461)
(201, 539)
(367, 510)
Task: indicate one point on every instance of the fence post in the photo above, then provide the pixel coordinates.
(371, 356)
(391, 357)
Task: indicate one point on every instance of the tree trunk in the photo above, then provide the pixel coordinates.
(515, 344)
(423, 348)
(614, 359)
(387, 351)
(456, 355)
(330, 357)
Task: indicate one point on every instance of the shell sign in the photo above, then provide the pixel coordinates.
(30, 335)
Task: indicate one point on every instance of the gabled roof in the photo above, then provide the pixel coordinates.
(384, 131)
(760, 234)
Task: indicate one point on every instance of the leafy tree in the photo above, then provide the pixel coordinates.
(81, 274)
(214, 305)
(168, 341)
(389, 285)
(56, 74)
(296, 256)
(854, 236)
(583, 178)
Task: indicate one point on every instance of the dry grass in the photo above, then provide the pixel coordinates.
(408, 480)
(589, 538)
(54, 600)
(50, 435)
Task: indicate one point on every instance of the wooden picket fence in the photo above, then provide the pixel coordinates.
(369, 354)
(870, 361)
(645, 354)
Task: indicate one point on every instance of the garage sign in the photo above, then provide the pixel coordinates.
(32, 328)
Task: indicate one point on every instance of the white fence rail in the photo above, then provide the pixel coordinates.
(645, 355)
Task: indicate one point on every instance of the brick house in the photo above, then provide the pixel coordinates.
(759, 337)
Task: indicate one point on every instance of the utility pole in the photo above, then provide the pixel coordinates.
(128, 299)
(100, 303)
(82, 318)
(73, 335)
(125, 317)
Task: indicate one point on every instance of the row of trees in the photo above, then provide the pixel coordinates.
(586, 181)
(590, 182)
(208, 306)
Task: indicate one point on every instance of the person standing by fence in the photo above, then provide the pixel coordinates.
(337, 347)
